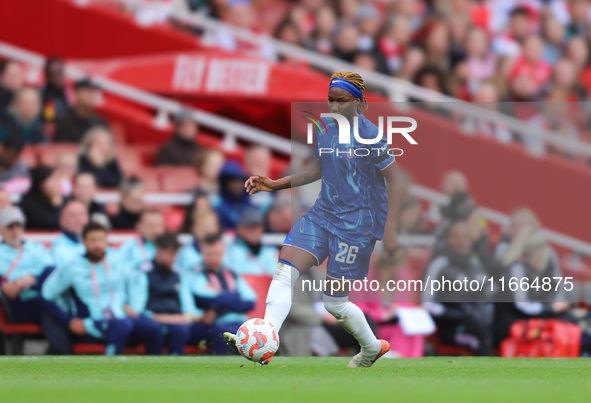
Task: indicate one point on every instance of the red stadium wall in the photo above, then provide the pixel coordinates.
(502, 177)
(90, 32)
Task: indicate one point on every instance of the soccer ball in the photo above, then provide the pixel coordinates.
(257, 340)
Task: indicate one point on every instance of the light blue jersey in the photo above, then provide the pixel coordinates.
(65, 249)
(189, 258)
(33, 260)
(241, 260)
(139, 293)
(105, 291)
(353, 194)
(201, 287)
(137, 252)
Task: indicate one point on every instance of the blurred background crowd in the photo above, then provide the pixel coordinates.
(65, 165)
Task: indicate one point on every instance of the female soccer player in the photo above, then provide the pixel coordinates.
(356, 207)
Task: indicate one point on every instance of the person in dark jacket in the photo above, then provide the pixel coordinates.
(23, 117)
(98, 158)
(43, 203)
(14, 173)
(234, 198)
(74, 123)
(181, 149)
(537, 261)
(12, 78)
(161, 293)
(55, 102)
(463, 317)
(131, 205)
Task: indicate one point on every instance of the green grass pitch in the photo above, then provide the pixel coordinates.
(233, 379)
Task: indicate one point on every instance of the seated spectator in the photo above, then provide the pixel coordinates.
(75, 122)
(23, 117)
(160, 293)
(55, 101)
(219, 292)
(98, 280)
(139, 251)
(462, 318)
(410, 218)
(487, 97)
(66, 166)
(523, 223)
(204, 224)
(68, 246)
(481, 64)
(279, 216)
(131, 205)
(247, 254)
(14, 173)
(98, 157)
(44, 201)
(12, 78)
(531, 64)
(234, 197)
(257, 161)
(538, 261)
(21, 265)
(4, 199)
(85, 190)
(208, 165)
(181, 149)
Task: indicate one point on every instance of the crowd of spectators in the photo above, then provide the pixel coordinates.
(495, 53)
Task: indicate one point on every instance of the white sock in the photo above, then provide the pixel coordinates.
(352, 319)
(280, 293)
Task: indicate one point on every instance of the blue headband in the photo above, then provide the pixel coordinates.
(347, 86)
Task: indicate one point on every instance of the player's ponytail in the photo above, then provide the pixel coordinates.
(357, 81)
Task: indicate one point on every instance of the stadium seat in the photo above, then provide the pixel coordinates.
(15, 333)
(260, 284)
(177, 179)
(448, 350)
(29, 156)
(99, 349)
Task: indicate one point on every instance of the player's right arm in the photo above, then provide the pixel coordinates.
(258, 183)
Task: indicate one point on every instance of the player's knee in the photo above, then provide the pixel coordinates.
(335, 305)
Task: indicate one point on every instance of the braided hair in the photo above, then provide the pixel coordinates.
(357, 81)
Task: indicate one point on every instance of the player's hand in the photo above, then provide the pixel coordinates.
(257, 183)
(25, 282)
(77, 327)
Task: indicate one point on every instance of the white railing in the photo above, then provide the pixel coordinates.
(418, 191)
(398, 90)
(164, 107)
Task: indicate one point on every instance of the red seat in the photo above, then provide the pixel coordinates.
(260, 284)
(48, 153)
(99, 349)
(12, 329)
(446, 350)
(177, 179)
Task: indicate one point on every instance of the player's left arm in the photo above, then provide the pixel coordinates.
(390, 239)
